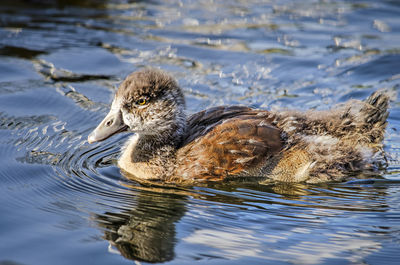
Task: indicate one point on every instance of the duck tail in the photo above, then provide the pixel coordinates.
(379, 101)
(374, 113)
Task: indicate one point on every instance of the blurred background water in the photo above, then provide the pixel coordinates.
(63, 201)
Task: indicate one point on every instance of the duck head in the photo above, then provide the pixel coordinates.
(148, 102)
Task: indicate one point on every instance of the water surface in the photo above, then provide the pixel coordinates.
(64, 201)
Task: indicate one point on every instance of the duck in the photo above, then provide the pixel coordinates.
(238, 142)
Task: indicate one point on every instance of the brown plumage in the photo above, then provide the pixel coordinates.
(231, 142)
(227, 141)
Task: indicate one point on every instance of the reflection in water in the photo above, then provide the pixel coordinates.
(286, 214)
(147, 232)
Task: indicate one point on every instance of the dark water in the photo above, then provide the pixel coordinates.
(65, 202)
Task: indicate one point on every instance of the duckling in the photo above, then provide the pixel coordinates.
(232, 142)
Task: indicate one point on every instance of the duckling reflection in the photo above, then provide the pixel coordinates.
(146, 233)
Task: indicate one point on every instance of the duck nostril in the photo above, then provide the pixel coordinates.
(109, 122)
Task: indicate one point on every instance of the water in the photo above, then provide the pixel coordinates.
(65, 202)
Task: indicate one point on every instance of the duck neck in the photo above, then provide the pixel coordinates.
(148, 144)
(146, 147)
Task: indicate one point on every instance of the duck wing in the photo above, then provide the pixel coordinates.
(226, 142)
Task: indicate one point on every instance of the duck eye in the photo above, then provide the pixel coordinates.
(141, 102)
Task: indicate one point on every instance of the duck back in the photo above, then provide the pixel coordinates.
(335, 143)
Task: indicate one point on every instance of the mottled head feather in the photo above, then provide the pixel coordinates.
(149, 82)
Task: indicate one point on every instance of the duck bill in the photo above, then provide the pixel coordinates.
(111, 124)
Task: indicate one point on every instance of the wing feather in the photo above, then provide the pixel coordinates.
(227, 141)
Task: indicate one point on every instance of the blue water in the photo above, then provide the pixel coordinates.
(63, 201)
